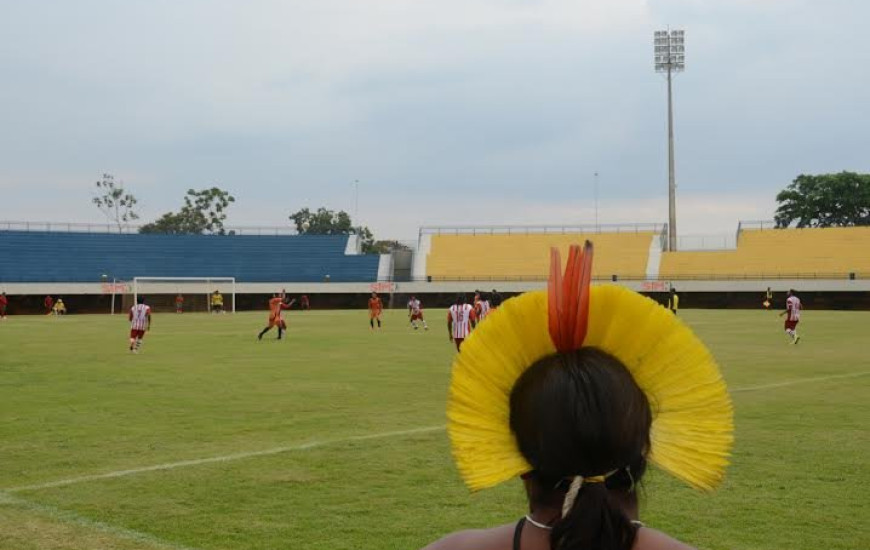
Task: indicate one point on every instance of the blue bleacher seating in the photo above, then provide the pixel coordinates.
(34, 256)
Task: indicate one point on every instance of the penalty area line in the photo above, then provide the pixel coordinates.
(223, 458)
(65, 516)
(800, 381)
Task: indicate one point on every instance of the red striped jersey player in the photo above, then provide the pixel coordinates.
(460, 320)
(415, 313)
(792, 316)
(140, 323)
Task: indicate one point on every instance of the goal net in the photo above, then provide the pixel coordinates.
(183, 294)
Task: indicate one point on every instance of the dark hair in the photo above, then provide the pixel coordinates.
(140, 299)
(461, 299)
(582, 414)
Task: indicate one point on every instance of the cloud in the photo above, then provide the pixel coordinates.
(473, 110)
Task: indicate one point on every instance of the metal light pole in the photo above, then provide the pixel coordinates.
(670, 58)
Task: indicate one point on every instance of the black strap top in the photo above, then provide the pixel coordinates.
(518, 533)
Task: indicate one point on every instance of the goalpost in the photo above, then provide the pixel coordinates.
(196, 292)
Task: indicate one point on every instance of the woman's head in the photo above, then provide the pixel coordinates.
(582, 414)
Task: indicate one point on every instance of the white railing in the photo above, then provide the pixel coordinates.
(756, 224)
(725, 241)
(540, 229)
(74, 227)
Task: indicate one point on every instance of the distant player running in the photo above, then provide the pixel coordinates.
(140, 323)
(415, 313)
(4, 302)
(376, 307)
(460, 320)
(277, 305)
(793, 316)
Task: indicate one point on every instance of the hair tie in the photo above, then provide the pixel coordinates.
(571, 495)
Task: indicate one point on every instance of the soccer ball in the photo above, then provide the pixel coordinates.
(305, 225)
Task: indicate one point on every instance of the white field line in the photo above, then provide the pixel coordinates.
(801, 381)
(315, 444)
(81, 521)
(223, 458)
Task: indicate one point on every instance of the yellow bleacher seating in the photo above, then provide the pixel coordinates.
(527, 257)
(779, 252)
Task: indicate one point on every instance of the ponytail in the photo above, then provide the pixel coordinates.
(594, 522)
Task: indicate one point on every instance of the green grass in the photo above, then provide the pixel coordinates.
(74, 403)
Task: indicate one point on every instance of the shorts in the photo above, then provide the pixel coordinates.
(277, 322)
(791, 325)
(375, 314)
(218, 307)
(136, 333)
(417, 316)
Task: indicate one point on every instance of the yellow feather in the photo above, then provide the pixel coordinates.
(692, 431)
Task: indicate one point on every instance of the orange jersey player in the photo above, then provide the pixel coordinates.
(376, 307)
(276, 307)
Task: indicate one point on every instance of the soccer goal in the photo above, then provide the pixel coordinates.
(185, 294)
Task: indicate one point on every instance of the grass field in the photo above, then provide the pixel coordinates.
(334, 438)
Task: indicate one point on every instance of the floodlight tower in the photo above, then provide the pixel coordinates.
(670, 58)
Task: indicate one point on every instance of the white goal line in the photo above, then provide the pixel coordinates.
(223, 458)
(72, 518)
(316, 444)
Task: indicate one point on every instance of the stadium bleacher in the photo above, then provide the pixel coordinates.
(47, 256)
(780, 253)
(509, 257)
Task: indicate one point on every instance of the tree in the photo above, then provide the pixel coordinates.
(115, 202)
(825, 200)
(330, 222)
(204, 212)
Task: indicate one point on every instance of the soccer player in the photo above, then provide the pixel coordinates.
(140, 322)
(793, 316)
(768, 299)
(376, 307)
(59, 307)
(277, 305)
(217, 302)
(494, 299)
(4, 301)
(674, 301)
(415, 313)
(460, 320)
(49, 305)
(304, 304)
(179, 303)
(482, 307)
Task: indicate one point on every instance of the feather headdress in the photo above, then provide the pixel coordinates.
(692, 429)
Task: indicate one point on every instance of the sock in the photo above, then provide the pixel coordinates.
(425, 325)
(280, 332)
(372, 323)
(379, 323)
(262, 332)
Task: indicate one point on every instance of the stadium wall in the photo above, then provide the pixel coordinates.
(27, 298)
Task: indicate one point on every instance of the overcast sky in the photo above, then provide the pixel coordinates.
(447, 111)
